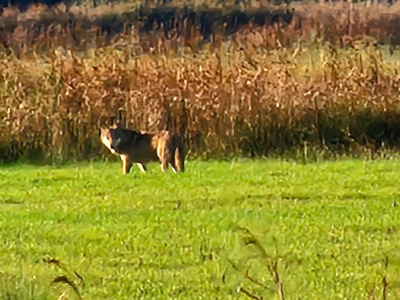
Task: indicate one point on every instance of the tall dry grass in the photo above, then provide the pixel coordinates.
(245, 102)
(257, 93)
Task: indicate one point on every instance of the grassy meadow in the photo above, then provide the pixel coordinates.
(329, 230)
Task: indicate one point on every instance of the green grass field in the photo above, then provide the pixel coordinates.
(330, 226)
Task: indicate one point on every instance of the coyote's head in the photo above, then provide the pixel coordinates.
(115, 138)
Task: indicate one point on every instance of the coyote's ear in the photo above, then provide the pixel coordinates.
(103, 130)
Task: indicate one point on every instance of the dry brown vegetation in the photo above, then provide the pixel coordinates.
(265, 90)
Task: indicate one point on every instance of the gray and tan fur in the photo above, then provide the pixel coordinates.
(142, 148)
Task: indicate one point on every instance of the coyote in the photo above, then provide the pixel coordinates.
(141, 148)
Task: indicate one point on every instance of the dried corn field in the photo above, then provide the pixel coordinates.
(262, 91)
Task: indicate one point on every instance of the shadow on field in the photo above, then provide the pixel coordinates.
(11, 201)
(50, 181)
